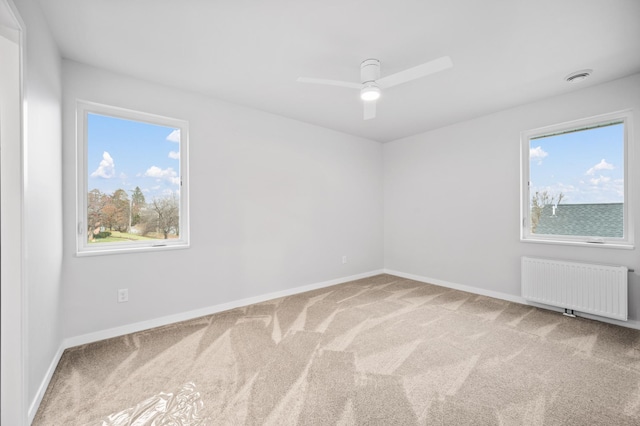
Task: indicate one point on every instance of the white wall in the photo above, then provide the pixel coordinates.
(275, 203)
(42, 197)
(452, 195)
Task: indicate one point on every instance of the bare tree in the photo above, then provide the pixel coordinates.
(168, 212)
(147, 221)
(96, 201)
(538, 201)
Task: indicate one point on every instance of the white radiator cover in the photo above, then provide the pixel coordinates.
(584, 287)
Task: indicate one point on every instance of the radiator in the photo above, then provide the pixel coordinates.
(584, 287)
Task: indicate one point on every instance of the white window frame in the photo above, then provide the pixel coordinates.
(83, 248)
(627, 240)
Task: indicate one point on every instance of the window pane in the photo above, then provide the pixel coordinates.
(576, 182)
(133, 181)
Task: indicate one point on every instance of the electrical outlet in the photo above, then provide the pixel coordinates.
(344, 259)
(123, 295)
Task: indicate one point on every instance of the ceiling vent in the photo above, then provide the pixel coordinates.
(578, 76)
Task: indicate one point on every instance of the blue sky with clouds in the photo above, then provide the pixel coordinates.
(123, 154)
(586, 166)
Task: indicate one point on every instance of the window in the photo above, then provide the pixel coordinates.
(132, 181)
(575, 182)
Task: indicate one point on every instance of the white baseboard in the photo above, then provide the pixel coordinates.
(184, 316)
(635, 324)
(461, 287)
(170, 319)
(33, 408)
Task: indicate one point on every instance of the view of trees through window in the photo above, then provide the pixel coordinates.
(133, 179)
(577, 182)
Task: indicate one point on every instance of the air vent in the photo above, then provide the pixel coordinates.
(578, 76)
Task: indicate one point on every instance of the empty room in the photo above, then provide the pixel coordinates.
(323, 213)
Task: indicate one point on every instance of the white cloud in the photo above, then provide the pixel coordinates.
(600, 189)
(603, 190)
(568, 190)
(560, 187)
(106, 169)
(174, 154)
(167, 174)
(537, 153)
(600, 180)
(157, 172)
(169, 192)
(174, 136)
(618, 188)
(602, 165)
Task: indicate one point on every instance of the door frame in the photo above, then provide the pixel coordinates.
(13, 350)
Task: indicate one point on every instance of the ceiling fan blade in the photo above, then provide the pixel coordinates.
(423, 70)
(329, 82)
(369, 110)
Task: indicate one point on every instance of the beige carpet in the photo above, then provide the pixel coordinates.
(378, 351)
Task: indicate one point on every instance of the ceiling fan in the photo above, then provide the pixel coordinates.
(372, 85)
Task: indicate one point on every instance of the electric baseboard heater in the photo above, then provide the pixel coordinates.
(590, 288)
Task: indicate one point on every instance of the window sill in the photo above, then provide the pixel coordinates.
(123, 250)
(607, 245)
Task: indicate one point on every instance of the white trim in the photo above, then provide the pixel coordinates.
(13, 404)
(33, 407)
(131, 249)
(526, 137)
(83, 109)
(537, 240)
(455, 286)
(184, 316)
(635, 324)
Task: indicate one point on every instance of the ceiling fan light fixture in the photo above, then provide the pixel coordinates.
(370, 92)
(371, 85)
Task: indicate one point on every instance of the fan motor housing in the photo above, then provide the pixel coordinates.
(369, 70)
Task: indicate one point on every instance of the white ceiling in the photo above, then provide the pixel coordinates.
(250, 52)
